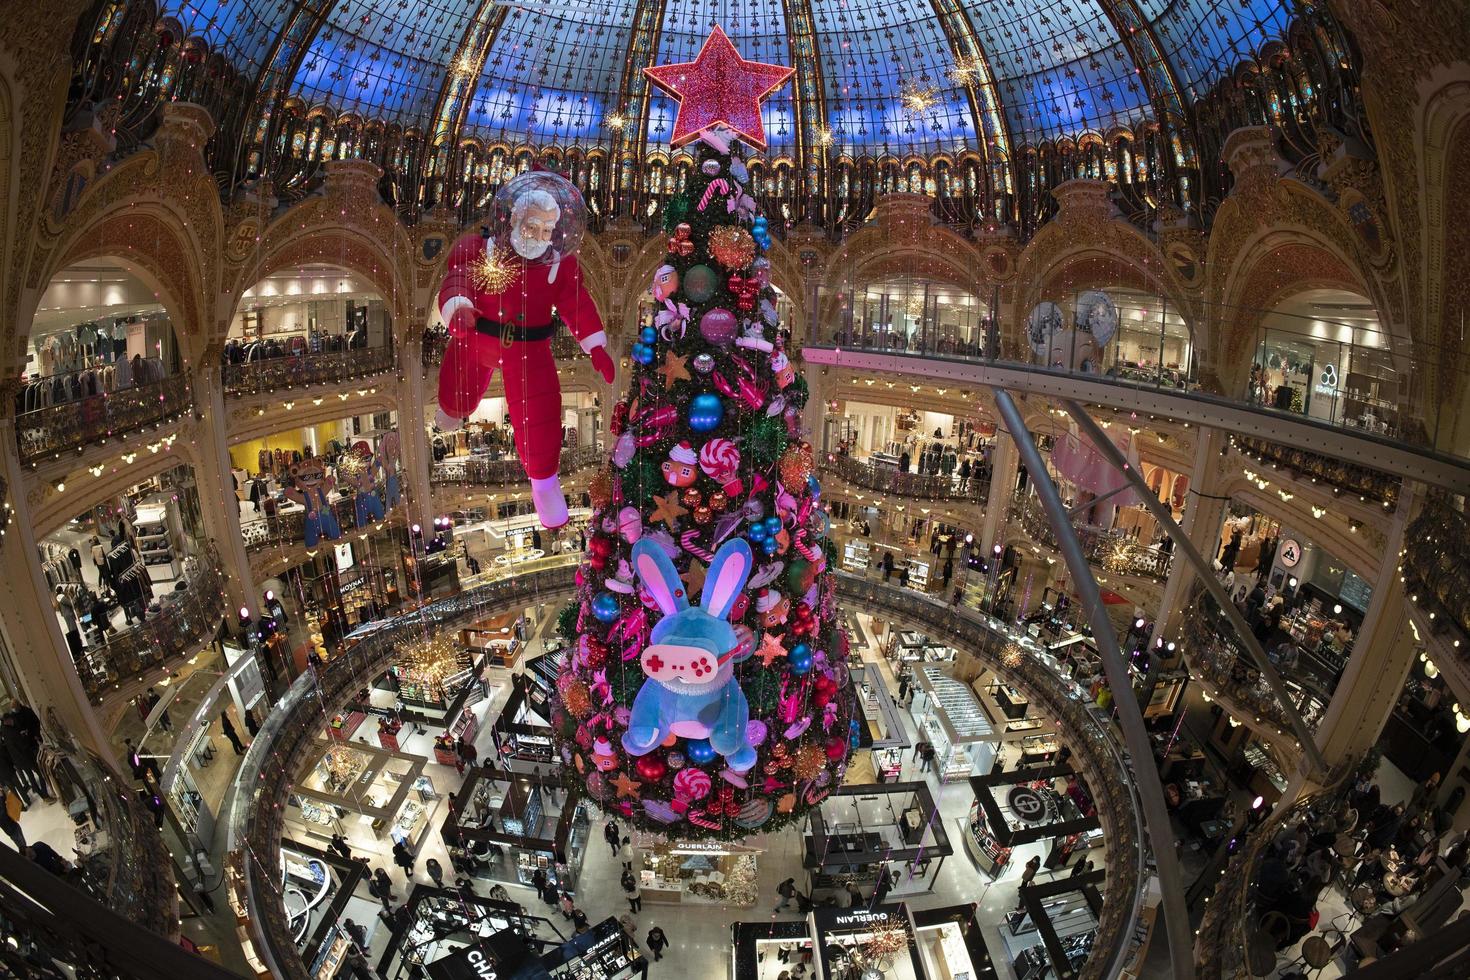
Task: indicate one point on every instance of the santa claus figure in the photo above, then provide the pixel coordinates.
(498, 298)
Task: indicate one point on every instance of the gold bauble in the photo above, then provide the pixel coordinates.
(600, 490)
(795, 466)
(732, 246)
(809, 761)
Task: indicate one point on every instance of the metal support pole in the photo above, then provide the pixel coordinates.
(1207, 576)
(1130, 718)
(1097, 500)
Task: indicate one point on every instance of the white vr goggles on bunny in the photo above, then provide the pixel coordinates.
(691, 690)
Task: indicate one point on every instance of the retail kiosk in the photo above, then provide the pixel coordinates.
(1050, 934)
(315, 888)
(861, 942)
(1047, 803)
(949, 716)
(860, 832)
(504, 826)
(675, 872)
(371, 796)
(950, 945)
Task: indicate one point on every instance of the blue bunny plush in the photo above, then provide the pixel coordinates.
(691, 690)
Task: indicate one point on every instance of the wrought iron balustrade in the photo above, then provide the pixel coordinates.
(72, 425)
(303, 370)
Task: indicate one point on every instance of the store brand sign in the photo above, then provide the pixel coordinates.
(1327, 381)
(470, 963)
(1026, 804)
(1290, 554)
(863, 918)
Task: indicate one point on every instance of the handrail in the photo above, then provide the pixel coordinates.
(910, 486)
(56, 428)
(303, 370)
(283, 529)
(1405, 458)
(435, 342)
(1110, 552)
(288, 733)
(185, 618)
(1338, 474)
(483, 472)
(1436, 556)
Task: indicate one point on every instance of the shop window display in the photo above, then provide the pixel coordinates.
(391, 798)
(697, 872)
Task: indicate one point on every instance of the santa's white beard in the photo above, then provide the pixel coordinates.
(527, 248)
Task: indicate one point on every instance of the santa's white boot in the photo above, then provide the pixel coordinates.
(551, 505)
(445, 421)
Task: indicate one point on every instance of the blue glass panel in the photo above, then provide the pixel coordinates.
(1205, 39)
(242, 30)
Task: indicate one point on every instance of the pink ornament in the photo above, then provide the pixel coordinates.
(692, 784)
(836, 747)
(665, 282)
(719, 327)
(603, 756)
(630, 524)
(755, 731)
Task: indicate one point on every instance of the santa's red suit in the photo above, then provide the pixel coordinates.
(512, 330)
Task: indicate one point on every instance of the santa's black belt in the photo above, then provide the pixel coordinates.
(513, 331)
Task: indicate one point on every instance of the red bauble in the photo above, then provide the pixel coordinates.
(652, 768)
(836, 747)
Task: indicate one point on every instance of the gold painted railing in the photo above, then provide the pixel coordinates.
(304, 370)
(56, 429)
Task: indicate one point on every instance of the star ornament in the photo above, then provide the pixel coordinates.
(719, 87)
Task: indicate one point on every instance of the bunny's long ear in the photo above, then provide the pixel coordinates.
(727, 576)
(659, 577)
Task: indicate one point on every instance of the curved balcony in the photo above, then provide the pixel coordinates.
(1347, 477)
(185, 619)
(1108, 551)
(114, 916)
(289, 528)
(264, 779)
(910, 486)
(305, 370)
(1405, 449)
(72, 425)
(481, 472)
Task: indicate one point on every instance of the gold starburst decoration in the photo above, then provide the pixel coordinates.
(966, 70)
(428, 662)
(917, 98)
(495, 270)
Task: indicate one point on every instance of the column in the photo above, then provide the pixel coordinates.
(1382, 655)
(1004, 463)
(1203, 513)
(31, 627)
(413, 431)
(220, 505)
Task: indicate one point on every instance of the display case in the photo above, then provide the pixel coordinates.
(952, 720)
(1037, 749)
(604, 952)
(857, 556)
(988, 855)
(888, 764)
(697, 872)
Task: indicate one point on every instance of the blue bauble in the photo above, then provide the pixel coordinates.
(699, 751)
(803, 650)
(773, 524)
(758, 532)
(605, 607)
(648, 335)
(771, 545)
(706, 411)
(799, 664)
(642, 353)
(813, 487)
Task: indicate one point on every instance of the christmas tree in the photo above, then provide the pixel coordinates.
(707, 693)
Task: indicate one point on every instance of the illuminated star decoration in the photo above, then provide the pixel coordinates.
(669, 510)
(673, 369)
(717, 87)
(626, 786)
(771, 650)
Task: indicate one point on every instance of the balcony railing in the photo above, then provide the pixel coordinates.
(289, 528)
(1106, 550)
(71, 425)
(1338, 474)
(303, 370)
(185, 618)
(564, 347)
(266, 776)
(910, 486)
(481, 472)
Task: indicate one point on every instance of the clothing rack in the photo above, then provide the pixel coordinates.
(60, 564)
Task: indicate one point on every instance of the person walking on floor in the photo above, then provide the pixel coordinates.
(613, 835)
(634, 893)
(1080, 868)
(579, 920)
(1027, 873)
(854, 895)
(538, 881)
(377, 889)
(229, 730)
(882, 888)
(403, 858)
(339, 846)
(10, 819)
(164, 721)
(787, 891)
(927, 755)
(356, 933)
(656, 942)
(436, 872)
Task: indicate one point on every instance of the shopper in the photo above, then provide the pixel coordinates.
(787, 891)
(356, 933)
(613, 835)
(339, 846)
(357, 964)
(579, 920)
(403, 857)
(1027, 873)
(468, 753)
(164, 721)
(10, 819)
(854, 895)
(656, 942)
(45, 855)
(385, 884)
(927, 755)
(887, 565)
(630, 927)
(567, 907)
(626, 853)
(538, 881)
(634, 894)
(229, 730)
(436, 872)
(903, 577)
(20, 741)
(883, 887)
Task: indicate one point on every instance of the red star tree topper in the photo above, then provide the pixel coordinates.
(718, 87)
